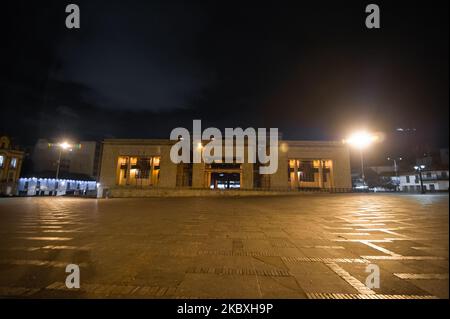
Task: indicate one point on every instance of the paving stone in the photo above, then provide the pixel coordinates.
(314, 246)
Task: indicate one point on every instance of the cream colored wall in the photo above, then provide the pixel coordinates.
(339, 154)
(279, 180)
(341, 169)
(247, 172)
(336, 152)
(198, 175)
(108, 166)
(247, 176)
(111, 153)
(168, 169)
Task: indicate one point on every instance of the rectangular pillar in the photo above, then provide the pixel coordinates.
(198, 175)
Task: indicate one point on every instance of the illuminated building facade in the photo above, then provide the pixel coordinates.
(10, 167)
(140, 166)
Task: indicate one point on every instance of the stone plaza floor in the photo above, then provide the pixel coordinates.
(302, 246)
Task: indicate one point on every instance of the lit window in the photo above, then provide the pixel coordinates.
(156, 161)
(2, 159)
(306, 170)
(13, 162)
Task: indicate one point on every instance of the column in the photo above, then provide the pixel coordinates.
(320, 173)
(128, 170)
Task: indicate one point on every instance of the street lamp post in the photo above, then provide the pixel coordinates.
(62, 146)
(362, 167)
(58, 163)
(395, 167)
(361, 140)
(420, 168)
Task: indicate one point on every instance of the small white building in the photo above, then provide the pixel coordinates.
(433, 180)
(55, 187)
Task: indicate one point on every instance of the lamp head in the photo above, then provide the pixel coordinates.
(64, 145)
(361, 139)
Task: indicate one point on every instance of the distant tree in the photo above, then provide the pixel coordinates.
(375, 180)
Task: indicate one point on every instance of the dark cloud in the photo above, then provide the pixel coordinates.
(141, 68)
(138, 57)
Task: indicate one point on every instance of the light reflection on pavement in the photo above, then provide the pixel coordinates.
(306, 246)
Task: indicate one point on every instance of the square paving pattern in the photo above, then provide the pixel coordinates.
(302, 246)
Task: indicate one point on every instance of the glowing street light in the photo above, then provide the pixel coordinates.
(64, 145)
(361, 140)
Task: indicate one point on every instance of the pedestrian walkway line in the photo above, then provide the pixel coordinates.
(367, 240)
(383, 230)
(119, 290)
(238, 271)
(352, 234)
(429, 248)
(379, 248)
(322, 247)
(422, 276)
(367, 224)
(17, 291)
(42, 263)
(324, 260)
(237, 253)
(355, 283)
(408, 239)
(403, 257)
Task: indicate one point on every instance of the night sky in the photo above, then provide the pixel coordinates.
(138, 69)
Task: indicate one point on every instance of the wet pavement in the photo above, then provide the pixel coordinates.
(306, 246)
